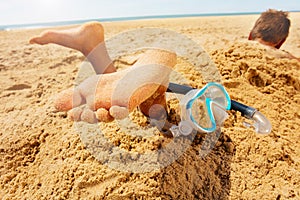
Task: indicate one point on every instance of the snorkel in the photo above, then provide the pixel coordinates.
(260, 123)
(205, 109)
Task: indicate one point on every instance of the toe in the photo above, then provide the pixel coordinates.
(37, 40)
(68, 99)
(33, 40)
(88, 116)
(44, 38)
(75, 114)
(103, 115)
(118, 112)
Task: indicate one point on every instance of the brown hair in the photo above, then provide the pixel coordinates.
(272, 26)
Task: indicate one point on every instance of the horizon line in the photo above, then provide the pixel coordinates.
(130, 18)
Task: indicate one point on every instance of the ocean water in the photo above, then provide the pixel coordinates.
(63, 23)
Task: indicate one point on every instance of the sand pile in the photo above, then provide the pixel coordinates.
(43, 154)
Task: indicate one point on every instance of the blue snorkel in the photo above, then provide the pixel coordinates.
(215, 101)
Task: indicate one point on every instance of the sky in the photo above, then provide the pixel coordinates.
(41, 11)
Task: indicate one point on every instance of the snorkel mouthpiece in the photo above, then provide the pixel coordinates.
(261, 124)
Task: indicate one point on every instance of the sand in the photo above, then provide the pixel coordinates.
(45, 156)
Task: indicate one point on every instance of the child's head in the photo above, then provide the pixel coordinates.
(271, 28)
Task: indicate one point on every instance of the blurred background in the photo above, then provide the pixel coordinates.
(17, 12)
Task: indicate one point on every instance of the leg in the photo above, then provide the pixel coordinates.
(88, 39)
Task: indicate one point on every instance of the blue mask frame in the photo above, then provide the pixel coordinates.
(210, 102)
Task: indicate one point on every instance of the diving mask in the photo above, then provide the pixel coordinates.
(203, 110)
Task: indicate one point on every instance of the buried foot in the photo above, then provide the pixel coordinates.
(115, 95)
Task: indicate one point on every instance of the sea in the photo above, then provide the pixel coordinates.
(64, 23)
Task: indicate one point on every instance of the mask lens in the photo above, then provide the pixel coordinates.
(218, 95)
(201, 106)
(199, 114)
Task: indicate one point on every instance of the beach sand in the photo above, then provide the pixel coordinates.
(44, 156)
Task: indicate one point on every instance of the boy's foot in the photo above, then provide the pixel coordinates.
(83, 38)
(87, 38)
(114, 95)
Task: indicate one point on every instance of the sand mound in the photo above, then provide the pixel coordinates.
(44, 157)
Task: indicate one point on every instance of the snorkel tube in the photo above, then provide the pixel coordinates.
(215, 108)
